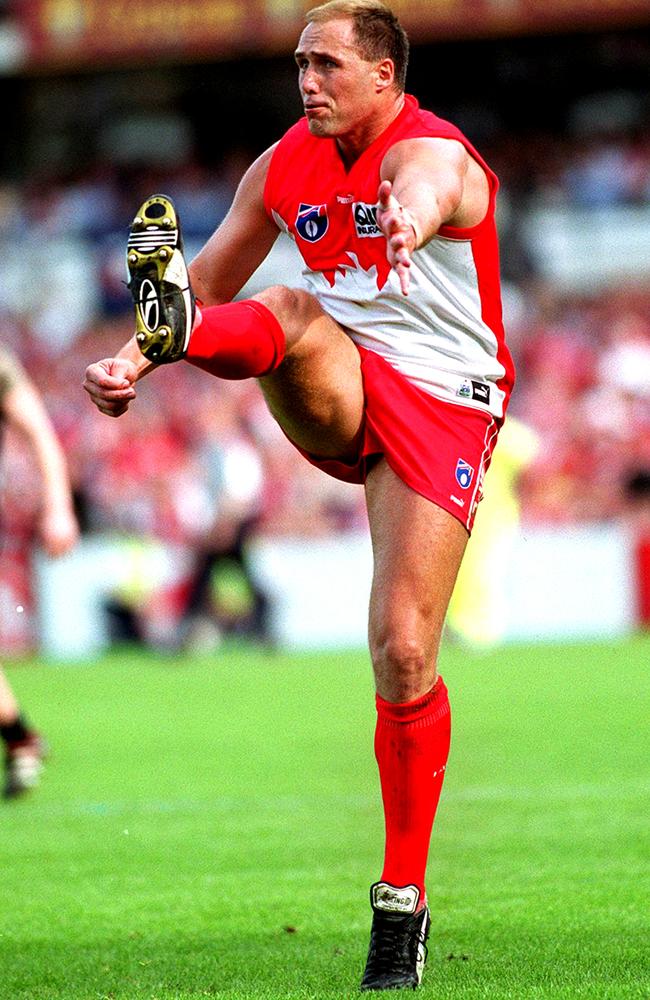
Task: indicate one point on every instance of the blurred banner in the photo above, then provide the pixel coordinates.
(594, 597)
(83, 33)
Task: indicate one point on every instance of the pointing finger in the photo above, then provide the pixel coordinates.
(404, 276)
(385, 194)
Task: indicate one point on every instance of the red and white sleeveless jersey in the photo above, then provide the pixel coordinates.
(447, 335)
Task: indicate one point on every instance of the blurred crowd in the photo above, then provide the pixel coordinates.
(197, 462)
(584, 386)
(598, 170)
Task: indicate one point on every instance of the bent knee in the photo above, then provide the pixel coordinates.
(292, 307)
(404, 666)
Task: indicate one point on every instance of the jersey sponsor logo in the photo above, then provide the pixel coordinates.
(365, 219)
(312, 222)
(481, 392)
(464, 474)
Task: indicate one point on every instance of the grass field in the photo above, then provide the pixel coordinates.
(210, 828)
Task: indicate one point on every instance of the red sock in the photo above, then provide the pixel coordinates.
(236, 340)
(411, 746)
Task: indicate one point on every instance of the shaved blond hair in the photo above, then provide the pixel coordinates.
(377, 32)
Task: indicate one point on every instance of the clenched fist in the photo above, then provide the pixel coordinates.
(110, 383)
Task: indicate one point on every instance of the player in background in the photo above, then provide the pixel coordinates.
(22, 409)
(478, 611)
(387, 367)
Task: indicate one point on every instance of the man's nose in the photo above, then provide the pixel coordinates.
(310, 82)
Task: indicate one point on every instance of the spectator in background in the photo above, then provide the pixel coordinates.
(478, 611)
(235, 481)
(637, 488)
(22, 409)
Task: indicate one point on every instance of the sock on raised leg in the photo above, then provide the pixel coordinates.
(411, 745)
(236, 340)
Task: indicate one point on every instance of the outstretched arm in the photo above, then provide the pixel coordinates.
(224, 265)
(24, 411)
(240, 244)
(425, 184)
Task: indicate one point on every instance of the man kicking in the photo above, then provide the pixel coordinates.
(387, 367)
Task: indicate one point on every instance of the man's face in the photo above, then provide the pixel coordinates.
(337, 86)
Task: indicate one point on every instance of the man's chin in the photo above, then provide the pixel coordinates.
(318, 128)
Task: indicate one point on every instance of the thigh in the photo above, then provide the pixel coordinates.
(417, 549)
(316, 394)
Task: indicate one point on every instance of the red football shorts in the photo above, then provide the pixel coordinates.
(441, 450)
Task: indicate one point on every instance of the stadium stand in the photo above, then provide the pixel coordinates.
(580, 333)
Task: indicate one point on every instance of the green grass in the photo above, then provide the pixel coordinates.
(210, 828)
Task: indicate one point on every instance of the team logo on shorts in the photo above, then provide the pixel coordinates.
(464, 474)
(312, 222)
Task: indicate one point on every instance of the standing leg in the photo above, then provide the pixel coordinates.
(9, 711)
(417, 549)
(23, 746)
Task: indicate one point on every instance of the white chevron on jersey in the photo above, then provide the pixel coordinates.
(438, 358)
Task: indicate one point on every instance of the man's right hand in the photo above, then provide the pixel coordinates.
(398, 226)
(110, 385)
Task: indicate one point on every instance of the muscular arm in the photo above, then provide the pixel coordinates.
(24, 411)
(427, 183)
(240, 244)
(224, 265)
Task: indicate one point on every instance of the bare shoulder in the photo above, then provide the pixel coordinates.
(253, 181)
(428, 153)
(11, 370)
(240, 243)
(445, 166)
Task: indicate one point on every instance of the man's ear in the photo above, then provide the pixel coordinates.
(384, 74)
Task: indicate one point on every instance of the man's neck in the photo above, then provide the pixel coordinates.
(354, 143)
